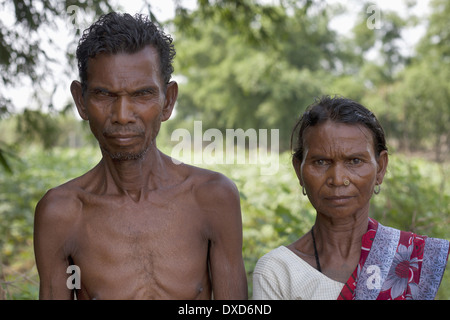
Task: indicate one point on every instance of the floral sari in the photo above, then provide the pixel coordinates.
(396, 265)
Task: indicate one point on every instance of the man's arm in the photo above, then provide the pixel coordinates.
(52, 226)
(222, 203)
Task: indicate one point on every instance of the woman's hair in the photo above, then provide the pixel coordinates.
(122, 33)
(340, 110)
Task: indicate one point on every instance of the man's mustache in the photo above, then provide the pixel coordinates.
(124, 131)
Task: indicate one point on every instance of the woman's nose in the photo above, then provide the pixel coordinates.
(337, 175)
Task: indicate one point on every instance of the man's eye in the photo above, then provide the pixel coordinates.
(143, 93)
(103, 93)
(355, 161)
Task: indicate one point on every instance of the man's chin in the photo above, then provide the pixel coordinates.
(126, 156)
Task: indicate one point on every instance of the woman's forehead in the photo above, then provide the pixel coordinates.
(333, 136)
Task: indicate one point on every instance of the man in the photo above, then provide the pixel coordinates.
(136, 226)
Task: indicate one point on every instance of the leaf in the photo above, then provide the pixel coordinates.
(4, 163)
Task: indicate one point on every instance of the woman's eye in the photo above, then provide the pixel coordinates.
(321, 162)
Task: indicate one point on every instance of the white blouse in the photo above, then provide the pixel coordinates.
(282, 275)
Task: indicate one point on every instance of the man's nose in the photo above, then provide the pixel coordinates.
(123, 110)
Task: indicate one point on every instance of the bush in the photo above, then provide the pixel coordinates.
(414, 196)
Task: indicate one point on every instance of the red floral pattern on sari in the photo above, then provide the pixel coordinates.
(402, 281)
(348, 292)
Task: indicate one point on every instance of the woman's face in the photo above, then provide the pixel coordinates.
(340, 169)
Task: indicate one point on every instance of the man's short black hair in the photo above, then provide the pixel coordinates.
(122, 33)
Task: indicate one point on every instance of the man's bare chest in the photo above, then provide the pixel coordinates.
(142, 249)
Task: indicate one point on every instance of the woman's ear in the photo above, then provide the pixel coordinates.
(382, 163)
(296, 163)
(77, 95)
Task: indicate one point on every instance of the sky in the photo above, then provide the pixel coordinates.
(164, 10)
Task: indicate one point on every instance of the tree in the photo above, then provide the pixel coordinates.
(235, 82)
(23, 58)
(420, 96)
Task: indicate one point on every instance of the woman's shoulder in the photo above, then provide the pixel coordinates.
(276, 260)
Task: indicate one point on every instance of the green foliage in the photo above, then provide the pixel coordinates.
(234, 83)
(230, 81)
(26, 64)
(35, 173)
(243, 64)
(22, 52)
(251, 64)
(415, 196)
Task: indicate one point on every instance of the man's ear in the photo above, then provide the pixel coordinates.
(171, 98)
(77, 95)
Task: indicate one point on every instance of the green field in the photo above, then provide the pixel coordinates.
(415, 196)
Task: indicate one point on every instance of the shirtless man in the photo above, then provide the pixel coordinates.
(138, 226)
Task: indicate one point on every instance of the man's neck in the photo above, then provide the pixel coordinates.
(133, 177)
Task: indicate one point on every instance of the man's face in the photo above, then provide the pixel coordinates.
(125, 102)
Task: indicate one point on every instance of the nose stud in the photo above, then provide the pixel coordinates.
(346, 182)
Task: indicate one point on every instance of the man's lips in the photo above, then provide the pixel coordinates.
(122, 138)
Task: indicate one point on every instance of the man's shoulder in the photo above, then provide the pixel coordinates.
(70, 193)
(212, 191)
(212, 184)
(63, 192)
(59, 203)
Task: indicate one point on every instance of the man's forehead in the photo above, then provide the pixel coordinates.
(123, 65)
(147, 54)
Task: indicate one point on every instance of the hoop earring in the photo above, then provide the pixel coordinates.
(375, 190)
(303, 190)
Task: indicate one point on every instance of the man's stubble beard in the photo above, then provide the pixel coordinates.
(125, 156)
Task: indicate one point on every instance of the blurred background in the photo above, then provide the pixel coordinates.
(239, 64)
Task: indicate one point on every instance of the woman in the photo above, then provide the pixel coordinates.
(340, 159)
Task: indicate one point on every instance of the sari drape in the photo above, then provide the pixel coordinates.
(396, 265)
